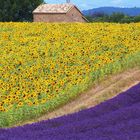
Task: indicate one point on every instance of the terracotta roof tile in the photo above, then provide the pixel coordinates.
(53, 8)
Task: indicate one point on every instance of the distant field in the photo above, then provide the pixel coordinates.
(43, 66)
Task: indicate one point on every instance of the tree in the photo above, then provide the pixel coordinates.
(127, 19)
(15, 10)
(137, 18)
(98, 17)
(89, 18)
(116, 17)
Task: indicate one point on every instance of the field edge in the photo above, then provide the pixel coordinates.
(102, 91)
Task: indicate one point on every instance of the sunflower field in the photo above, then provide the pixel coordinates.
(43, 66)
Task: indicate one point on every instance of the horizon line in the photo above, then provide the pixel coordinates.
(112, 7)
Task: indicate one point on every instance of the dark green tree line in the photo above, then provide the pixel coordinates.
(18, 10)
(114, 17)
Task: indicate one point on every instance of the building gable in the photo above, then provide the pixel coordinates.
(74, 11)
(58, 13)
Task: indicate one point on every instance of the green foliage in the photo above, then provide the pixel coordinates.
(16, 10)
(137, 18)
(115, 17)
(127, 19)
(89, 18)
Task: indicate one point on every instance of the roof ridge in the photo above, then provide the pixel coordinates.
(56, 4)
(53, 8)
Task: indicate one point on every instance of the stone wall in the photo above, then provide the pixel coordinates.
(75, 15)
(50, 17)
(72, 16)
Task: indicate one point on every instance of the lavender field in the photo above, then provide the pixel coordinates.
(115, 119)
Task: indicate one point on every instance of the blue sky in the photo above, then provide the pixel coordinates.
(89, 4)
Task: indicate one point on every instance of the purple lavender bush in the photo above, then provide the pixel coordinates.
(115, 119)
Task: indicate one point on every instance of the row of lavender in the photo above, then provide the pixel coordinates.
(115, 119)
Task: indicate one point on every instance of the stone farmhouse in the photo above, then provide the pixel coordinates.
(66, 12)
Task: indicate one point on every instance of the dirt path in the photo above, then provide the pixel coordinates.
(107, 89)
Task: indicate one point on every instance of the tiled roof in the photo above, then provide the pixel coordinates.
(53, 8)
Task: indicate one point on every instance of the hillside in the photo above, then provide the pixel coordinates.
(108, 120)
(50, 65)
(110, 10)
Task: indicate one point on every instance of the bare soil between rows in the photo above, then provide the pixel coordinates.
(107, 89)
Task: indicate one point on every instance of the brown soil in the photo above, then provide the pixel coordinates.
(105, 90)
